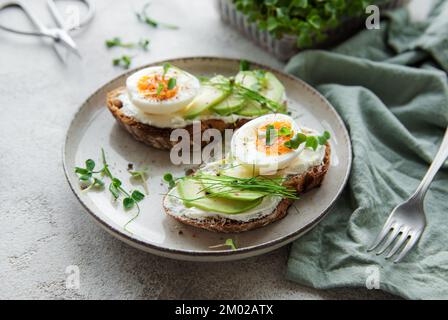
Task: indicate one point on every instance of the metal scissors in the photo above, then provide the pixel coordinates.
(59, 34)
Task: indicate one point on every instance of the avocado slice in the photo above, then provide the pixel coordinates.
(274, 88)
(252, 109)
(270, 87)
(207, 97)
(247, 79)
(190, 190)
(230, 192)
(229, 105)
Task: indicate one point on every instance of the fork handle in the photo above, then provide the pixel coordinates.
(436, 164)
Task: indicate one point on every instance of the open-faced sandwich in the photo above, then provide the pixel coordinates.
(272, 160)
(159, 99)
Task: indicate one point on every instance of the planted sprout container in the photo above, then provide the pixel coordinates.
(286, 46)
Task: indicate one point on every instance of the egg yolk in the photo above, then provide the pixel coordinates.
(276, 144)
(156, 86)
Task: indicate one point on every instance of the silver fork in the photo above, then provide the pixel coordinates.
(406, 222)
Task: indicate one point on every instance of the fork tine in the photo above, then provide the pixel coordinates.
(393, 235)
(401, 239)
(409, 245)
(380, 237)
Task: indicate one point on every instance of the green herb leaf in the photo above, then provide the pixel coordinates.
(311, 142)
(166, 67)
(168, 177)
(79, 170)
(113, 42)
(115, 187)
(143, 17)
(284, 131)
(123, 61)
(144, 43)
(231, 244)
(114, 190)
(141, 174)
(137, 196)
(85, 177)
(128, 203)
(116, 42)
(172, 83)
(90, 164)
(308, 20)
(160, 88)
(116, 182)
(98, 182)
(244, 65)
(324, 138)
(296, 141)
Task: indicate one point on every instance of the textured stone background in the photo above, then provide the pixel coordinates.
(43, 227)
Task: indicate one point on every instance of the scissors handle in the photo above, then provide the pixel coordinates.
(42, 30)
(79, 24)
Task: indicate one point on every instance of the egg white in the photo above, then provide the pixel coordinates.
(188, 87)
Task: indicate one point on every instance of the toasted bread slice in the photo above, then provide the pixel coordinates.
(302, 183)
(158, 137)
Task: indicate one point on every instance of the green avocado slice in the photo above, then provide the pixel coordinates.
(207, 98)
(271, 88)
(193, 195)
(229, 105)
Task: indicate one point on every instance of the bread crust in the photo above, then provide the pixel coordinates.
(302, 183)
(159, 137)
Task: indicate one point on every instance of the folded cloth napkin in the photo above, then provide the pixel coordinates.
(390, 88)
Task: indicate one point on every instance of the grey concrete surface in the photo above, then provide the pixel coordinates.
(44, 229)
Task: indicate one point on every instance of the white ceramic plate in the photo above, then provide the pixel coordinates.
(93, 127)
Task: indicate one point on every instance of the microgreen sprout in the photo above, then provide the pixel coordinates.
(166, 67)
(244, 65)
(144, 43)
(284, 131)
(123, 61)
(168, 178)
(143, 17)
(308, 20)
(160, 88)
(116, 42)
(229, 243)
(172, 83)
(311, 142)
(86, 175)
(131, 198)
(141, 175)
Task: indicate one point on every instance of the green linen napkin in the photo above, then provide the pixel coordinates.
(389, 87)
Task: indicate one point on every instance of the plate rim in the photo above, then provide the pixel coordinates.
(187, 254)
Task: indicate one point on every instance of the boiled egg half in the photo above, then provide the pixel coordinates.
(159, 90)
(262, 143)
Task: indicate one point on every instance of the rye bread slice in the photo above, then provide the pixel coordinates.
(158, 137)
(302, 183)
